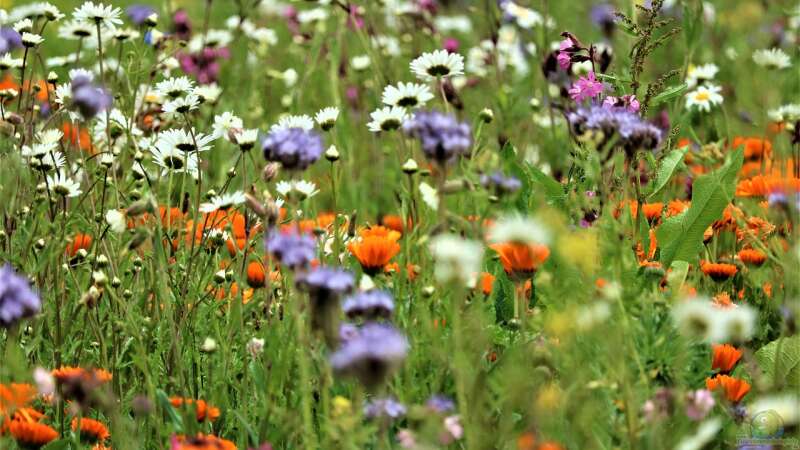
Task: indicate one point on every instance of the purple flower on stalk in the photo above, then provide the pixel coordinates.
(500, 183)
(632, 131)
(203, 65)
(384, 408)
(294, 148)
(139, 13)
(440, 404)
(602, 15)
(370, 305)
(626, 102)
(291, 249)
(442, 137)
(324, 286)
(10, 40)
(586, 87)
(89, 98)
(17, 299)
(372, 355)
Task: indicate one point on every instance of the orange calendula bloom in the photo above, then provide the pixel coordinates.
(396, 223)
(722, 300)
(374, 251)
(31, 434)
(203, 410)
(521, 260)
(91, 430)
(718, 271)
(77, 136)
(256, 277)
(754, 147)
(752, 257)
(201, 442)
(487, 283)
(79, 242)
(67, 373)
(735, 388)
(380, 231)
(763, 185)
(15, 396)
(724, 357)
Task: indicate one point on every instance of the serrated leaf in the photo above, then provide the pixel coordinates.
(553, 190)
(667, 168)
(681, 236)
(504, 298)
(670, 93)
(780, 361)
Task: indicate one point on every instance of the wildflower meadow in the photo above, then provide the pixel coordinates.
(399, 224)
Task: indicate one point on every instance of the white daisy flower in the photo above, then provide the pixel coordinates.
(224, 123)
(174, 87)
(34, 11)
(304, 189)
(453, 23)
(785, 113)
(208, 93)
(700, 319)
(302, 121)
(124, 34)
(439, 64)
(524, 17)
(8, 62)
(182, 140)
(181, 105)
(53, 160)
(707, 431)
(212, 39)
(246, 139)
(62, 185)
(457, 259)
(75, 29)
(23, 25)
(223, 202)
(264, 36)
(698, 74)
(388, 45)
(407, 95)
(98, 14)
(38, 150)
(519, 229)
(81, 73)
(63, 94)
(773, 58)
(360, 62)
(704, 97)
(326, 117)
(312, 15)
(430, 196)
(116, 220)
(786, 405)
(50, 136)
(387, 118)
(171, 159)
(31, 40)
(289, 77)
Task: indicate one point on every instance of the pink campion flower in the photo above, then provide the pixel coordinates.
(628, 102)
(204, 65)
(585, 87)
(355, 20)
(563, 56)
(698, 404)
(451, 44)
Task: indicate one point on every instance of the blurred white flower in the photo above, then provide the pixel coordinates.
(457, 259)
(773, 58)
(116, 220)
(519, 229)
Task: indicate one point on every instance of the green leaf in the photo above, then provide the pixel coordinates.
(553, 190)
(670, 93)
(61, 444)
(780, 361)
(164, 403)
(667, 167)
(681, 236)
(677, 275)
(504, 297)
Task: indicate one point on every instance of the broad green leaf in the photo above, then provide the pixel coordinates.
(677, 274)
(667, 167)
(553, 190)
(780, 361)
(670, 93)
(681, 237)
(164, 403)
(504, 297)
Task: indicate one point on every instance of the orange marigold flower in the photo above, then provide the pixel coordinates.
(718, 271)
(91, 430)
(487, 283)
(31, 434)
(256, 277)
(550, 445)
(652, 211)
(201, 442)
(77, 136)
(174, 217)
(757, 228)
(373, 252)
(730, 217)
(526, 441)
(767, 288)
(326, 219)
(80, 241)
(763, 185)
(521, 260)
(724, 357)
(751, 256)
(722, 300)
(15, 395)
(203, 410)
(380, 231)
(754, 148)
(735, 388)
(67, 373)
(675, 207)
(396, 223)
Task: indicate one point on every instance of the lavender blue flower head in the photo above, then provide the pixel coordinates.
(442, 137)
(602, 15)
(17, 300)
(372, 355)
(384, 408)
(440, 404)
(324, 286)
(139, 13)
(88, 98)
(294, 148)
(632, 132)
(500, 183)
(291, 249)
(370, 305)
(9, 40)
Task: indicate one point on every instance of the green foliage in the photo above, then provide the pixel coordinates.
(780, 361)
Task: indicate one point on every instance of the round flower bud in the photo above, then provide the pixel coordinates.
(332, 154)
(209, 346)
(219, 277)
(486, 115)
(102, 261)
(39, 244)
(52, 77)
(410, 167)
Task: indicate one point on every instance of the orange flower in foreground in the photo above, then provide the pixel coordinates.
(79, 242)
(735, 388)
(754, 148)
(763, 185)
(752, 257)
(487, 283)
(380, 231)
(718, 271)
(722, 300)
(31, 434)
(526, 441)
(201, 442)
(256, 277)
(204, 411)
(374, 252)
(15, 396)
(521, 260)
(67, 373)
(725, 357)
(77, 136)
(91, 430)
(550, 446)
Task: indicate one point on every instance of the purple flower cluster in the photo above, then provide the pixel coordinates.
(442, 137)
(372, 354)
(88, 98)
(17, 299)
(139, 13)
(294, 148)
(9, 40)
(500, 183)
(324, 286)
(631, 131)
(441, 404)
(204, 65)
(384, 408)
(370, 305)
(291, 249)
